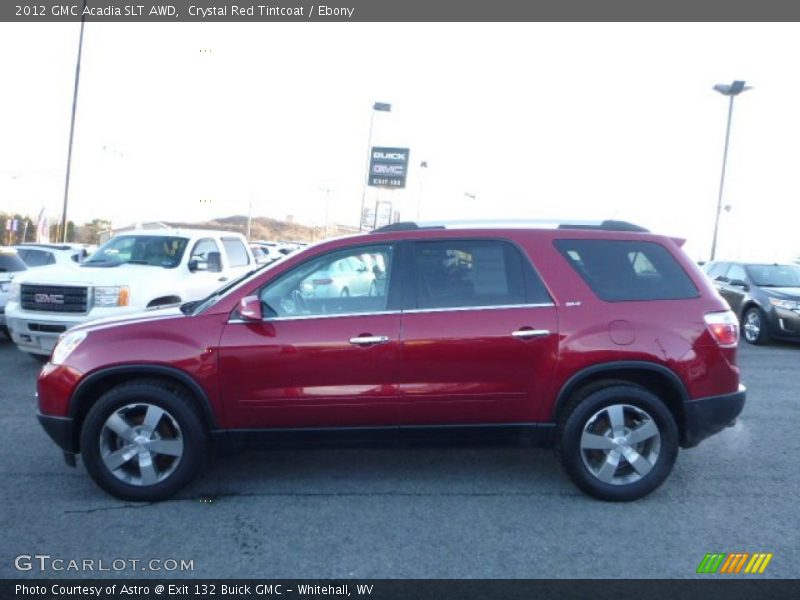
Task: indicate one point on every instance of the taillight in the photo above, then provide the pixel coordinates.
(724, 327)
(322, 281)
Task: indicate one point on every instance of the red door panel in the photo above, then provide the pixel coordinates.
(466, 366)
(306, 373)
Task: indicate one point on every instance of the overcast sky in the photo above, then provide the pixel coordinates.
(584, 121)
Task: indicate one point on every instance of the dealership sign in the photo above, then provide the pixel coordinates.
(388, 167)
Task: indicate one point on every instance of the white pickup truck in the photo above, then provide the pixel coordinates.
(131, 273)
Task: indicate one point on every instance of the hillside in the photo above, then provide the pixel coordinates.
(264, 228)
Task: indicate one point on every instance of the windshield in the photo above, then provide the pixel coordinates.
(775, 275)
(153, 250)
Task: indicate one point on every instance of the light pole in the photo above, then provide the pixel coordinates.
(731, 90)
(377, 106)
(72, 125)
(422, 165)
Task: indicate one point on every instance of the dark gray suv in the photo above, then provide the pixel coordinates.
(765, 297)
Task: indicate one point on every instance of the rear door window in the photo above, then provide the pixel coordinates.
(473, 273)
(622, 270)
(39, 258)
(237, 253)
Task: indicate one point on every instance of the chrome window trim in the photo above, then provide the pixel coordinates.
(397, 312)
(488, 307)
(333, 316)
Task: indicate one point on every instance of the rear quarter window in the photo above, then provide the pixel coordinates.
(622, 270)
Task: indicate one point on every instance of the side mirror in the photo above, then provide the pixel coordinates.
(250, 308)
(214, 262)
(739, 283)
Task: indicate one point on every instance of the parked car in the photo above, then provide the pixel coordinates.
(266, 252)
(10, 265)
(132, 272)
(604, 341)
(287, 247)
(349, 276)
(45, 255)
(765, 297)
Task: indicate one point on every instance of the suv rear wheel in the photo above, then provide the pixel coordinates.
(143, 441)
(618, 443)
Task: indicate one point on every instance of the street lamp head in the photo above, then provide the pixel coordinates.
(733, 89)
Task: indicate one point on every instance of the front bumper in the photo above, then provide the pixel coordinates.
(783, 323)
(707, 416)
(37, 337)
(61, 431)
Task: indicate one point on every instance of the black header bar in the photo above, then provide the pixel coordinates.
(398, 10)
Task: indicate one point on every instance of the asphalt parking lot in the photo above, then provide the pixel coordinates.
(430, 513)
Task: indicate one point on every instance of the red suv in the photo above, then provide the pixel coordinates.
(603, 340)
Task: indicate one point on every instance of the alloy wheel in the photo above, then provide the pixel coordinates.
(752, 326)
(620, 444)
(141, 444)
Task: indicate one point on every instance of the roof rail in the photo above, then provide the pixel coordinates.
(405, 226)
(606, 225)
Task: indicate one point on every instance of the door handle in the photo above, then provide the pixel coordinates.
(222, 279)
(369, 340)
(526, 334)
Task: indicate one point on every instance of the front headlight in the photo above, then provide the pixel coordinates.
(66, 344)
(15, 291)
(787, 304)
(111, 295)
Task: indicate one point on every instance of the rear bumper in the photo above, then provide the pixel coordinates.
(707, 416)
(60, 430)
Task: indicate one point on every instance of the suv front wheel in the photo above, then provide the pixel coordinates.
(619, 443)
(143, 441)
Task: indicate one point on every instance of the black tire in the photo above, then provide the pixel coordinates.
(754, 316)
(583, 411)
(179, 409)
(345, 293)
(42, 358)
(4, 330)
